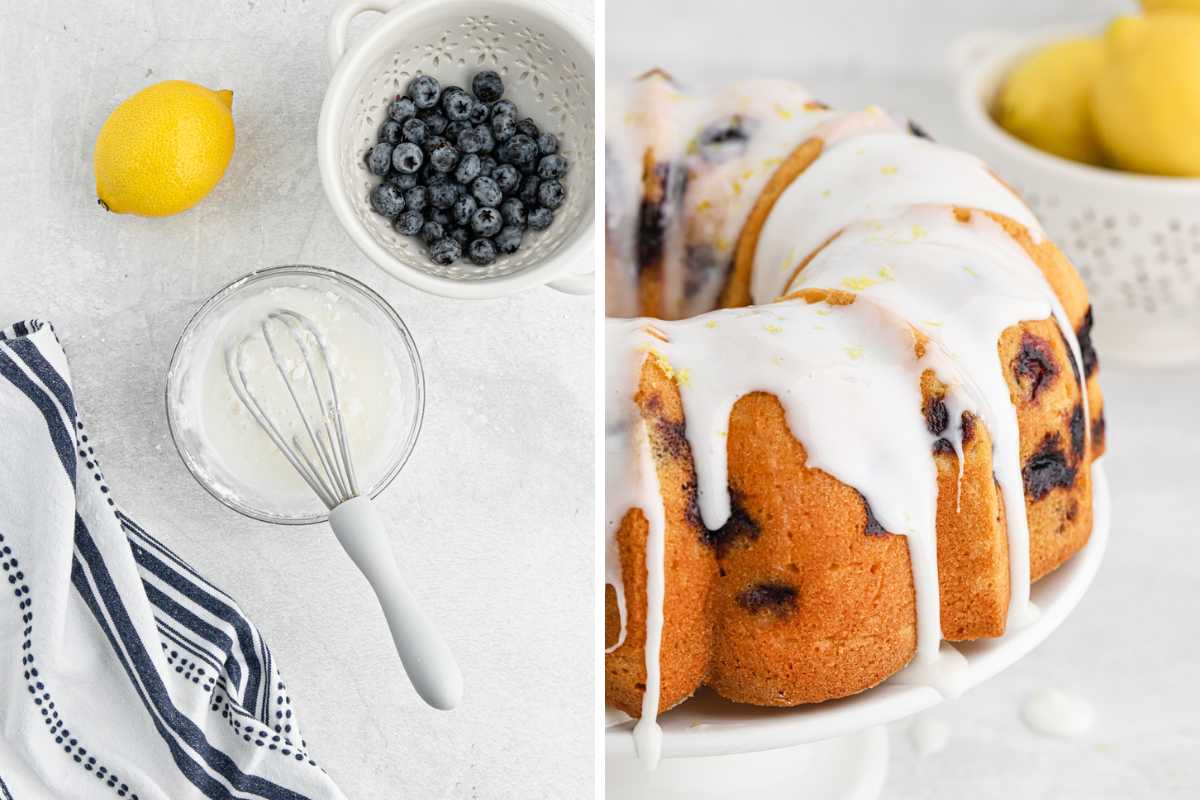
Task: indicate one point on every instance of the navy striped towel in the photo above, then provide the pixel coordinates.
(123, 673)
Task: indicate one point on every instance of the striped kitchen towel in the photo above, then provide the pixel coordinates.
(123, 673)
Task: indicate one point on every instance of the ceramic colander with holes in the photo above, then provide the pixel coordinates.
(1134, 238)
(546, 58)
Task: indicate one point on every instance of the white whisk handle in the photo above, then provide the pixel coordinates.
(427, 660)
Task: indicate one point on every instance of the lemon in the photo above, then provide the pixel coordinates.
(1150, 6)
(1045, 100)
(1146, 103)
(162, 150)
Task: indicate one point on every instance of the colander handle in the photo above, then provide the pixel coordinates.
(343, 15)
(575, 284)
(423, 652)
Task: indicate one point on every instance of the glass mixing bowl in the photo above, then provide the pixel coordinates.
(191, 362)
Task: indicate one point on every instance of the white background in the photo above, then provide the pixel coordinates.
(492, 517)
(1132, 647)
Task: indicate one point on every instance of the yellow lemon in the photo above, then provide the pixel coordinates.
(1150, 6)
(1146, 103)
(163, 149)
(1045, 100)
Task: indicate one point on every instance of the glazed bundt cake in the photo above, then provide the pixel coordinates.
(852, 401)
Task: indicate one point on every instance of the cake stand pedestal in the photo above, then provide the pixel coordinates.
(713, 749)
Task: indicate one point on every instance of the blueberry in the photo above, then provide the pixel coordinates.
(482, 252)
(508, 240)
(484, 132)
(552, 166)
(529, 128)
(443, 156)
(479, 113)
(442, 217)
(410, 222)
(507, 178)
(457, 104)
(387, 199)
(504, 126)
(468, 168)
(445, 251)
(504, 107)
(512, 211)
(551, 194)
(405, 180)
(547, 144)
(435, 122)
(379, 159)
(415, 131)
(520, 150)
(724, 139)
(487, 165)
(431, 231)
(407, 157)
(390, 132)
(540, 218)
(487, 192)
(416, 198)
(486, 221)
(487, 86)
(470, 140)
(442, 194)
(460, 235)
(464, 207)
(401, 109)
(529, 190)
(424, 91)
(455, 129)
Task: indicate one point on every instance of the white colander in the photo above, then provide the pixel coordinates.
(546, 58)
(1134, 238)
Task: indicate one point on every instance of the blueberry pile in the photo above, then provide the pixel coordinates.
(463, 171)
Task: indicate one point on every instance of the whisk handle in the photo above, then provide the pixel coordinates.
(426, 657)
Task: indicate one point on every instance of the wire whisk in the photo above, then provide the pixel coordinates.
(331, 475)
(315, 443)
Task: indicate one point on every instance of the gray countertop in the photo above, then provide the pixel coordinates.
(492, 518)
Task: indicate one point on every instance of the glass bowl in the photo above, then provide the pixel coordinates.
(192, 361)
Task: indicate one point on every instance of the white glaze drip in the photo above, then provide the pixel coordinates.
(712, 196)
(962, 285)
(1052, 712)
(647, 735)
(849, 382)
(869, 177)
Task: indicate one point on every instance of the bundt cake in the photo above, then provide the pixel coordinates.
(852, 402)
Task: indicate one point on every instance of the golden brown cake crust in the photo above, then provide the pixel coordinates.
(814, 600)
(691, 565)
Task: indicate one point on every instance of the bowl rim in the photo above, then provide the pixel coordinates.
(324, 273)
(983, 58)
(575, 253)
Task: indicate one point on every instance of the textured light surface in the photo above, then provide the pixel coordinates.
(492, 517)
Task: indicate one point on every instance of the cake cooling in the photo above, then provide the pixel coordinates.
(851, 406)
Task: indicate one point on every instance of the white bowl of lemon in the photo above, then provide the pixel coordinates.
(1099, 131)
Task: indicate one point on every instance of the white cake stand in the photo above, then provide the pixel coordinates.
(836, 750)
